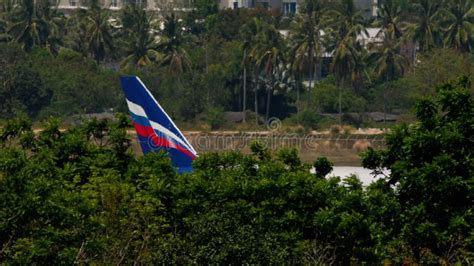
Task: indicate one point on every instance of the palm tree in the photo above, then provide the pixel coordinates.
(426, 30)
(249, 33)
(56, 23)
(389, 18)
(36, 23)
(171, 45)
(347, 65)
(305, 36)
(98, 31)
(7, 6)
(347, 60)
(5, 10)
(389, 62)
(141, 45)
(458, 24)
(346, 19)
(347, 24)
(268, 53)
(29, 28)
(76, 37)
(3, 30)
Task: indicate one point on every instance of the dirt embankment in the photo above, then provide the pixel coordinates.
(342, 149)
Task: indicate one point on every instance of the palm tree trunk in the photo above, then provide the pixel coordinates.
(385, 103)
(384, 109)
(340, 106)
(269, 97)
(244, 94)
(318, 70)
(206, 56)
(310, 76)
(340, 102)
(297, 96)
(256, 96)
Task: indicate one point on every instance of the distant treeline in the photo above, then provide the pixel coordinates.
(206, 61)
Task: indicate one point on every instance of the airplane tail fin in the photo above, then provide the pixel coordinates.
(155, 129)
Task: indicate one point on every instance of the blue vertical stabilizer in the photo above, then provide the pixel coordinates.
(155, 129)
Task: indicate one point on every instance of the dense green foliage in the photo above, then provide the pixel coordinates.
(318, 61)
(431, 163)
(80, 196)
(39, 84)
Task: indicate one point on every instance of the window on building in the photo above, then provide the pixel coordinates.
(72, 3)
(236, 5)
(289, 9)
(114, 3)
(293, 8)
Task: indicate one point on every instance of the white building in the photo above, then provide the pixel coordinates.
(287, 7)
(152, 5)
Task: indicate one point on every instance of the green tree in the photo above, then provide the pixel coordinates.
(430, 224)
(347, 61)
(77, 29)
(268, 53)
(23, 92)
(346, 64)
(29, 27)
(322, 167)
(389, 18)
(426, 30)
(438, 67)
(458, 24)
(172, 46)
(249, 32)
(306, 40)
(56, 23)
(206, 7)
(40, 84)
(389, 63)
(36, 23)
(68, 202)
(3, 30)
(99, 36)
(326, 98)
(6, 6)
(139, 39)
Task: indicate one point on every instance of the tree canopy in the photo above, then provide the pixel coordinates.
(81, 196)
(255, 59)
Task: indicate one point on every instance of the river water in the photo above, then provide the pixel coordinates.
(364, 174)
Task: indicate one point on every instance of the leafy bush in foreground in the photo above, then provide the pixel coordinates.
(80, 196)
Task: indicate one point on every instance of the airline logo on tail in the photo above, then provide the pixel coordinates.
(155, 129)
